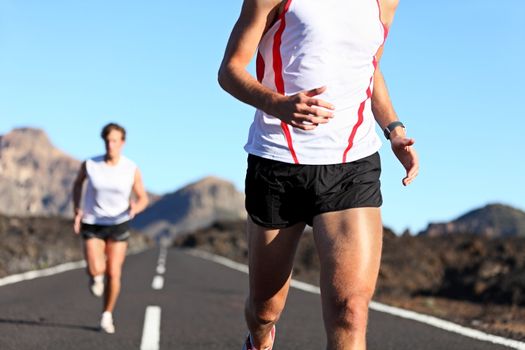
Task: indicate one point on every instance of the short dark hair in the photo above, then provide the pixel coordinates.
(110, 127)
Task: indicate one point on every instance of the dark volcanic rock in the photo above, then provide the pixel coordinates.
(226, 238)
(462, 267)
(35, 243)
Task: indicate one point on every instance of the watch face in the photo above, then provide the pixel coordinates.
(390, 127)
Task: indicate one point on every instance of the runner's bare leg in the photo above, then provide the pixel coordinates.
(349, 244)
(116, 253)
(271, 255)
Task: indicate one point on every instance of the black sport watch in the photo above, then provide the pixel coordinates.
(390, 127)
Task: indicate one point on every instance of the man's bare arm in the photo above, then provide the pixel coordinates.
(384, 112)
(142, 201)
(77, 194)
(255, 18)
(382, 107)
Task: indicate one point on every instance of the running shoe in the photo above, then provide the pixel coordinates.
(106, 323)
(96, 285)
(248, 343)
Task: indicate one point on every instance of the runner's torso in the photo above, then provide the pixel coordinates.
(316, 43)
(106, 201)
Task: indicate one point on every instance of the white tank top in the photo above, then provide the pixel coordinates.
(106, 201)
(318, 43)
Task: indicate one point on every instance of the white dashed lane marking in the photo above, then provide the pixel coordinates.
(151, 330)
(158, 282)
(161, 269)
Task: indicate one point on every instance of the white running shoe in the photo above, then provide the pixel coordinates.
(106, 323)
(96, 285)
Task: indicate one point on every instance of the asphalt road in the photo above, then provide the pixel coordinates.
(201, 306)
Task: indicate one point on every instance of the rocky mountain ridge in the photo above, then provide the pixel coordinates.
(35, 177)
(192, 207)
(492, 220)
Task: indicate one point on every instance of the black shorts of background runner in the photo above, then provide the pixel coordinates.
(118, 232)
(279, 194)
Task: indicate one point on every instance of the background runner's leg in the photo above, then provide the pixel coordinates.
(95, 258)
(116, 253)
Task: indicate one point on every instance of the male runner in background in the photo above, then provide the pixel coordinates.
(103, 219)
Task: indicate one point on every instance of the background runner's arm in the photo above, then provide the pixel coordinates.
(255, 18)
(77, 194)
(77, 187)
(141, 197)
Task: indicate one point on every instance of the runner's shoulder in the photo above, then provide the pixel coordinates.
(127, 162)
(388, 10)
(389, 5)
(265, 5)
(94, 160)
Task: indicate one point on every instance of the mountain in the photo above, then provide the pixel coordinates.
(194, 206)
(35, 177)
(493, 220)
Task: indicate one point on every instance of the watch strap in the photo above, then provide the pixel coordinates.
(390, 127)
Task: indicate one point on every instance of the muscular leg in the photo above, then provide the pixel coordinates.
(271, 254)
(116, 253)
(349, 244)
(95, 258)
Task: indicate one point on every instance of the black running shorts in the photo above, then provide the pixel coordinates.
(279, 195)
(118, 232)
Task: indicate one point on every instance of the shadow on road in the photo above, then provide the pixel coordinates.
(43, 323)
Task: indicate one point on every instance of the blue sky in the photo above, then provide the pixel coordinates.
(454, 70)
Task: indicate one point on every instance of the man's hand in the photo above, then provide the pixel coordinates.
(402, 148)
(77, 221)
(303, 110)
(132, 209)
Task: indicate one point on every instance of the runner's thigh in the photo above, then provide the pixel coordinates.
(349, 244)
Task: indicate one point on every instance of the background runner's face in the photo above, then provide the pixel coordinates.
(114, 143)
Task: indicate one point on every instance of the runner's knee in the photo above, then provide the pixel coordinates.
(265, 312)
(96, 269)
(113, 272)
(350, 313)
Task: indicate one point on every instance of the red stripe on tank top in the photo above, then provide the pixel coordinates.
(278, 72)
(360, 113)
(259, 67)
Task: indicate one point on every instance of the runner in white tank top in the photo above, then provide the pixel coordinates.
(106, 201)
(103, 221)
(318, 91)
